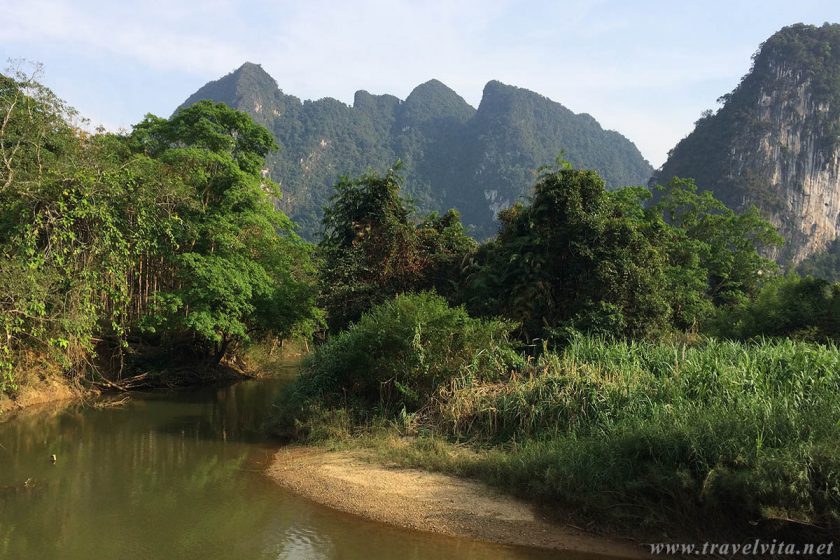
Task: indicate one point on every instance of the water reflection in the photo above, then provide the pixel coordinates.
(177, 475)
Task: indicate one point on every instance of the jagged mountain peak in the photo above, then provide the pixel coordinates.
(478, 161)
(248, 88)
(433, 87)
(253, 73)
(499, 96)
(434, 100)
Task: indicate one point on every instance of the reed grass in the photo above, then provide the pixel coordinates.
(733, 435)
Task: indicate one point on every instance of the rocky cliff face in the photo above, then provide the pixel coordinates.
(775, 142)
(803, 163)
(477, 161)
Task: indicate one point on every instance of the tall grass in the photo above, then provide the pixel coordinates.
(594, 384)
(724, 434)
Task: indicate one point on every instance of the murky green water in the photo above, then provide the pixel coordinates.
(178, 475)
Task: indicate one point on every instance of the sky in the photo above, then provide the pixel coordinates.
(646, 68)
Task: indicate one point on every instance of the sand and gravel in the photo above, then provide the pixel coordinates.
(354, 482)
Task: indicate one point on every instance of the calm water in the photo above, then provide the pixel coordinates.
(178, 476)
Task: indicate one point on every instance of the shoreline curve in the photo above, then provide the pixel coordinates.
(353, 482)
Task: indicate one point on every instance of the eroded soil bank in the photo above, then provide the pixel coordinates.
(425, 501)
(40, 392)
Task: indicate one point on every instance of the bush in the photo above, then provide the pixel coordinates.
(400, 354)
(803, 308)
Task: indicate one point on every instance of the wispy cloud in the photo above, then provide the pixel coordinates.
(646, 68)
(157, 37)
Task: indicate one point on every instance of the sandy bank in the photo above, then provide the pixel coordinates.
(41, 392)
(426, 501)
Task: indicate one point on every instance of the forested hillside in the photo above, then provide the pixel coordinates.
(476, 161)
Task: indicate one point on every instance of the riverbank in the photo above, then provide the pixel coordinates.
(41, 381)
(42, 391)
(355, 482)
(39, 390)
(718, 439)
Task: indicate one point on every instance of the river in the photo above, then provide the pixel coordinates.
(179, 475)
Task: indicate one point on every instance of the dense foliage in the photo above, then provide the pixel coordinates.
(788, 306)
(579, 258)
(166, 235)
(372, 248)
(720, 436)
(721, 247)
(611, 416)
(399, 355)
(725, 436)
(476, 161)
(575, 257)
(238, 267)
(825, 264)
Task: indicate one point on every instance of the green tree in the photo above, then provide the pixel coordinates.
(64, 239)
(824, 264)
(239, 268)
(372, 249)
(715, 253)
(787, 306)
(169, 233)
(576, 258)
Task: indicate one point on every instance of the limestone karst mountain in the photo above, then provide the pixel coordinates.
(475, 160)
(775, 141)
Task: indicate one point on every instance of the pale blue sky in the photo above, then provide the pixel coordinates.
(646, 68)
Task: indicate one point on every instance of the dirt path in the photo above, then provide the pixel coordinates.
(350, 482)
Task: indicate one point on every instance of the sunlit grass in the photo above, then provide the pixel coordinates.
(716, 433)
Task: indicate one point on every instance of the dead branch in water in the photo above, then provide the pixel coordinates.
(112, 404)
(172, 378)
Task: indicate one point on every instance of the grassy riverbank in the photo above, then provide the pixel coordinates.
(716, 437)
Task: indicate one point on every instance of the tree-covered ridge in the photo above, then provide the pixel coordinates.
(775, 136)
(477, 161)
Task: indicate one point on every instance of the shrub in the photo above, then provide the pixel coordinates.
(399, 354)
(803, 308)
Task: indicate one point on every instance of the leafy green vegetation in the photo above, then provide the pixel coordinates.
(372, 248)
(579, 258)
(718, 433)
(825, 264)
(629, 355)
(788, 306)
(399, 355)
(575, 258)
(165, 238)
(588, 381)
(715, 434)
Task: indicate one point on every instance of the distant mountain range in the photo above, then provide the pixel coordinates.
(455, 156)
(774, 143)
